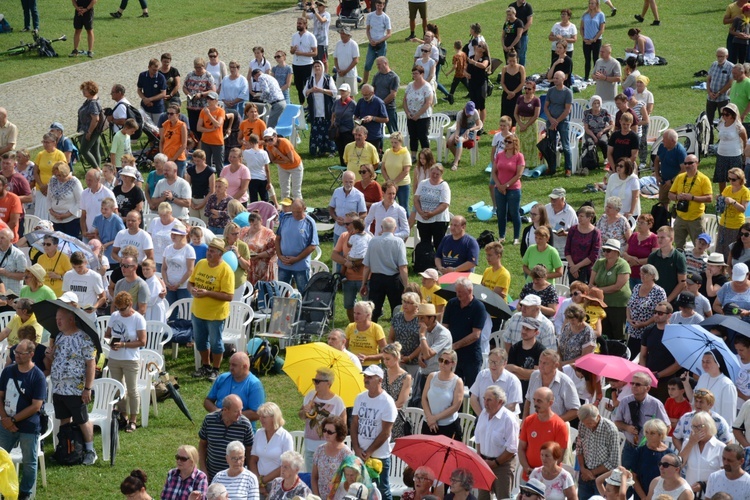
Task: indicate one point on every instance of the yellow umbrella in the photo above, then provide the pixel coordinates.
(302, 362)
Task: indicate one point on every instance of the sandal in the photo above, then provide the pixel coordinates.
(454, 167)
(130, 427)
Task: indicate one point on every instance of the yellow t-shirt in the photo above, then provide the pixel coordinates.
(699, 186)
(430, 297)
(58, 263)
(45, 161)
(214, 279)
(733, 218)
(394, 163)
(356, 157)
(594, 313)
(499, 278)
(15, 324)
(365, 341)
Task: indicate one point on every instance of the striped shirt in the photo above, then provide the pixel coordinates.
(218, 436)
(242, 487)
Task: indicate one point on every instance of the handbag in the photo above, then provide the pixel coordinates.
(43, 417)
(333, 132)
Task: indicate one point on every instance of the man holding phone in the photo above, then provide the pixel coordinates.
(86, 284)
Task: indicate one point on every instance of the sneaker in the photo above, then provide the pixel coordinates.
(638, 18)
(200, 372)
(89, 457)
(90, 54)
(212, 374)
(516, 242)
(613, 13)
(25, 30)
(116, 15)
(656, 23)
(494, 211)
(145, 14)
(450, 98)
(73, 53)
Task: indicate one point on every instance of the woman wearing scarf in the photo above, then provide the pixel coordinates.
(353, 470)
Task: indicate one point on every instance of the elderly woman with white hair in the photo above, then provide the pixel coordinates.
(702, 452)
(597, 125)
(64, 200)
(217, 491)
(496, 436)
(424, 481)
(271, 440)
(289, 484)
(239, 482)
(648, 456)
(613, 224)
(611, 274)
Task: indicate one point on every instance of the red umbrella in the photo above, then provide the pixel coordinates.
(612, 367)
(443, 455)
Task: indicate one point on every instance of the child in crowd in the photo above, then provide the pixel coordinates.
(496, 277)
(358, 242)
(742, 346)
(578, 291)
(594, 305)
(702, 305)
(498, 146)
(196, 241)
(696, 260)
(257, 161)
(128, 160)
(121, 142)
(106, 227)
(156, 307)
(618, 390)
(460, 62)
(686, 315)
(109, 176)
(429, 287)
(677, 404)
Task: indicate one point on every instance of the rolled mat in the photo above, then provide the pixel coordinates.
(489, 168)
(524, 210)
(475, 206)
(538, 171)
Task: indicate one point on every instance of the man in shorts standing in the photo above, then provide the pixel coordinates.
(414, 7)
(83, 18)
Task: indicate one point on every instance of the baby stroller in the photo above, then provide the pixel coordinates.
(350, 14)
(145, 157)
(318, 306)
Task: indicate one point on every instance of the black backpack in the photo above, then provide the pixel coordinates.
(590, 158)
(133, 112)
(70, 448)
(424, 257)
(263, 359)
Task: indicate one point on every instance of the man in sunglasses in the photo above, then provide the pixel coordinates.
(654, 355)
(633, 413)
(691, 190)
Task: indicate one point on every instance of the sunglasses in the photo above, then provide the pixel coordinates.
(317, 381)
(743, 234)
(329, 432)
(443, 361)
(607, 250)
(732, 179)
(362, 172)
(213, 55)
(576, 294)
(180, 458)
(528, 89)
(666, 465)
(690, 162)
(48, 244)
(127, 266)
(270, 139)
(508, 141)
(638, 384)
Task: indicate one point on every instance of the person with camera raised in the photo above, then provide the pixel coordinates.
(691, 190)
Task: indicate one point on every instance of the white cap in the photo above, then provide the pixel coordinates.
(374, 371)
(531, 300)
(739, 272)
(69, 298)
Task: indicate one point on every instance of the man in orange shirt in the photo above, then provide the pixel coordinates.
(211, 125)
(10, 207)
(281, 152)
(538, 428)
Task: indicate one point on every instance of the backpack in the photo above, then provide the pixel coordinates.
(485, 238)
(661, 216)
(5, 25)
(70, 448)
(442, 54)
(263, 360)
(45, 48)
(424, 257)
(134, 113)
(101, 124)
(590, 158)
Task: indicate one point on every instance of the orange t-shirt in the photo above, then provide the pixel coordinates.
(257, 127)
(535, 433)
(343, 248)
(460, 60)
(215, 137)
(10, 204)
(172, 139)
(279, 154)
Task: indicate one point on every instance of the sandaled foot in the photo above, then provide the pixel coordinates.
(454, 167)
(130, 427)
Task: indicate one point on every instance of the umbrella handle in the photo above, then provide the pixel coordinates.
(151, 366)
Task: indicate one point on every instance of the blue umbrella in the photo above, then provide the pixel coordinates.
(688, 344)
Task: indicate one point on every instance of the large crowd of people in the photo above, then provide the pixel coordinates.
(151, 240)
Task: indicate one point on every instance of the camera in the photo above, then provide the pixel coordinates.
(682, 206)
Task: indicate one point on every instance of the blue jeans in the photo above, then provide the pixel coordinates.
(629, 455)
(523, 44)
(373, 54)
(174, 296)
(402, 196)
(383, 482)
(392, 120)
(207, 334)
(300, 278)
(351, 289)
(181, 166)
(562, 129)
(28, 443)
(30, 14)
(508, 202)
(586, 489)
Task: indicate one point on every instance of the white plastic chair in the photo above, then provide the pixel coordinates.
(318, 267)
(473, 152)
(562, 290)
(396, 476)
(467, 426)
(17, 457)
(575, 136)
(158, 335)
(564, 280)
(611, 108)
(584, 103)
(195, 221)
(317, 253)
(657, 125)
(247, 292)
(400, 125)
(107, 392)
(102, 323)
(438, 122)
(146, 377)
(262, 317)
(298, 437)
(5, 318)
(576, 113)
(238, 324)
(711, 226)
(147, 218)
(29, 223)
(415, 416)
(3, 353)
(184, 309)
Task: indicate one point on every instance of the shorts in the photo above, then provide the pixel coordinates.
(207, 334)
(373, 53)
(322, 53)
(415, 7)
(86, 21)
(70, 407)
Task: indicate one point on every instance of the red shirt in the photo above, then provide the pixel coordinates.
(676, 410)
(373, 192)
(535, 433)
(10, 204)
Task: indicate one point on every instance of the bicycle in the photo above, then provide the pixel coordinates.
(42, 45)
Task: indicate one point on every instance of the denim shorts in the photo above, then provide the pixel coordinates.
(208, 333)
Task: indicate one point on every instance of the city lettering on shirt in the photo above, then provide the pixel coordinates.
(370, 422)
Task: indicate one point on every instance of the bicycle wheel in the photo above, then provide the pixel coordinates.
(14, 51)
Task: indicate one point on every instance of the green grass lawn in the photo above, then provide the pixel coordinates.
(169, 19)
(676, 39)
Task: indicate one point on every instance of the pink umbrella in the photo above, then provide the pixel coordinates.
(612, 367)
(450, 278)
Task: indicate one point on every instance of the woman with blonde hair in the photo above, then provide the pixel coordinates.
(64, 200)
(649, 455)
(365, 338)
(731, 206)
(395, 166)
(397, 383)
(186, 478)
(318, 404)
(507, 168)
(405, 331)
(271, 440)
(127, 331)
(216, 209)
(442, 397)
(702, 452)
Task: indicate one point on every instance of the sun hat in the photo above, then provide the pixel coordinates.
(596, 295)
(612, 244)
(716, 259)
(57, 126)
(535, 487)
(344, 87)
(213, 96)
(615, 479)
(426, 310)
(37, 271)
(69, 298)
(686, 299)
(270, 132)
(217, 243)
(129, 172)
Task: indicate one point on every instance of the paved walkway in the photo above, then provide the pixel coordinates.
(35, 102)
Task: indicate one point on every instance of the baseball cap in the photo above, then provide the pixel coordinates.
(558, 193)
(270, 132)
(374, 371)
(430, 274)
(344, 87)
(705, 237)
(694, 278)
(531, 300)
(58, 126)
(213, 95)
(739, 272)
(531, 323)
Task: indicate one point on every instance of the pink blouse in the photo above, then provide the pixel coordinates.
(506, 167)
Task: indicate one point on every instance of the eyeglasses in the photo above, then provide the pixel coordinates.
(317, 381)
(660, 313)
(329, 432)
(180, 458)
(732, 179)
(269, 139)
(576, 293)
(698, 426)
(690, 162)
(24, 352)
(444, 361)
(666, 465)
(620, 165)
(237, 459)
(638, 384)
(528, 89)
(421, 477)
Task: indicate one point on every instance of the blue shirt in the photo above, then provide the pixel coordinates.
(108, 229)
(33, 386)
(296, 235)
(374, 108)
(669, 161)
(454, 252)
(250, 391)
(151, 86)
(591, 25)
(200, 251)
(461, 321)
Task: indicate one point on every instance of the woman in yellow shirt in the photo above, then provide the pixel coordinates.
(735, 198)
(55, 263)
(396, 166)
(45, 160)
(363, 337)
(496, 277)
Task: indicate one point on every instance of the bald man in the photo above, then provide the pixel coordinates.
(691, 190)
(238, 382)
(538, 428)
(219, 428)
